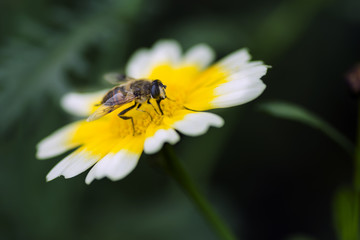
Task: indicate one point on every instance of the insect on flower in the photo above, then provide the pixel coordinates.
(140, 91)
(162, 89)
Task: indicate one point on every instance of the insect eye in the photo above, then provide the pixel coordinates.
(155, 91)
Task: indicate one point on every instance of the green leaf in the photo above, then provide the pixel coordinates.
(297, 113)
(346, 208)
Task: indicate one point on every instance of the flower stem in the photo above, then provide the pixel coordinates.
(174, 168)
(357, 179)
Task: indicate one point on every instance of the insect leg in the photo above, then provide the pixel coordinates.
(143, 111)
(126, 117)
(158, 103)
(148, 102)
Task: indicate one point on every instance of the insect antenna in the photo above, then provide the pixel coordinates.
(170, 99)
(191, 109)
(183, 106)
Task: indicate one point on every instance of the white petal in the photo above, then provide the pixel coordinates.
(195, 124)
(251, 71)
(201, 55)
(57, 143)
(244, 83)
(239, 97)
(235, 60)
(165, 51)
(72, 165)
(144, 61)
(114, 166)
(154, 143)
(81, 104)
(138, 66)
(59, 168)
(246, 78)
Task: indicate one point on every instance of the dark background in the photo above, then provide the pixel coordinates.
(269, 178)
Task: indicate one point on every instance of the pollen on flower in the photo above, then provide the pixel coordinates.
(150, 115)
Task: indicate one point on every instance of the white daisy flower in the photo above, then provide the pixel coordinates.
(112, 146)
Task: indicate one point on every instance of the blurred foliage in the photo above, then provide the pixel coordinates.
(269, 178)
(296, 113)
(344, 214)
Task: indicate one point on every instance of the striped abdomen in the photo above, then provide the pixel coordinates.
(109, 98)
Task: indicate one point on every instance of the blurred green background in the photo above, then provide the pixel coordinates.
(268, 178)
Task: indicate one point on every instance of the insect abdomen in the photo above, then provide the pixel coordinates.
(112, 93)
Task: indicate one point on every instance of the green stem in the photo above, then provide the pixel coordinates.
(357, 179)
(357, 155)
(174, 168)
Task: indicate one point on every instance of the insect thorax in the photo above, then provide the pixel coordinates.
(140, 88)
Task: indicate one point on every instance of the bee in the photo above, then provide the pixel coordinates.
(128, 90)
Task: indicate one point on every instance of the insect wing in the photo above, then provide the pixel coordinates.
(101, 111)
(116, 78)
(110, 105)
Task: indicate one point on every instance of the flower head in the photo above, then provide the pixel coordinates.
(114, 145)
